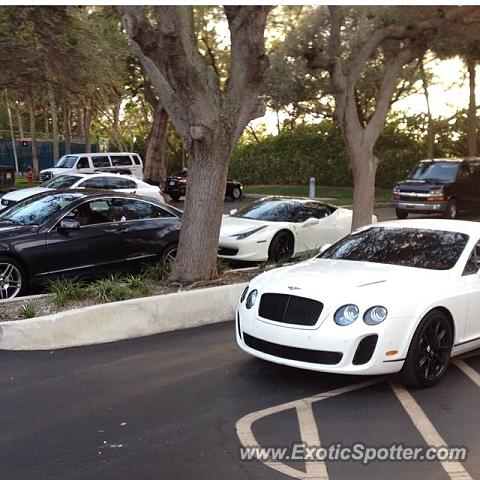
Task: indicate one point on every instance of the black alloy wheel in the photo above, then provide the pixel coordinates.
(429, 352)
(170, 254)
(281, 247)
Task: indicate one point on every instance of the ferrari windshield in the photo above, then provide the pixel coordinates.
(37, 210)
(271, 210)
(67, 161)
(409, 247)
(62, 181)
(435, 171)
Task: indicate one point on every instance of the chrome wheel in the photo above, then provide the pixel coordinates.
(170, 255)
(452, 209)
(236, 193)
(10, 280)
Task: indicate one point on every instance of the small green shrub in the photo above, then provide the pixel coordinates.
(139, 284)
(65, 290)
(28, 310)
(158, 272)
(109, 289)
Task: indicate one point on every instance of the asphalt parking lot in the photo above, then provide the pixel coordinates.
(169, 406)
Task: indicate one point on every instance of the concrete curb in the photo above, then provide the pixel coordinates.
(133, 318)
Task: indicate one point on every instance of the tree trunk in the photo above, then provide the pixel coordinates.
(46, 126)
(67, 128)
(81, 124)
(53, 114)
(87, 115)
(364, 166)
(19, 118)
(155, 167)
(472, 111)
(207, 179)
(33, 134)
(430, 132)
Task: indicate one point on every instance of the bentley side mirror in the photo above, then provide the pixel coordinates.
(233, 212)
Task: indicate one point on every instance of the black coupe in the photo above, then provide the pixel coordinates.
(82, 233)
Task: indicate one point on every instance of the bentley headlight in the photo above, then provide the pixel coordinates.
(244, 294)
(375, 315)
(241, 236)
(346, 315)
(251, 299)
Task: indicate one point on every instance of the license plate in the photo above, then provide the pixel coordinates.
(172, 183)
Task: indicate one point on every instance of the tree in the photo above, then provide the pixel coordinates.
(396, 36)
(208, 116)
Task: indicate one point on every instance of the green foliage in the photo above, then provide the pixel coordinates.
(158, 272)
(28, 310)
(65, 290)
(115, 288)
(293, 156)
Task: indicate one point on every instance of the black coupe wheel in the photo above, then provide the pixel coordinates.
(401, 214)
(169, 254)
(452, 209)
(236, 193)
(175, 198)
(13, 281)
(429, 352)
(281, 247)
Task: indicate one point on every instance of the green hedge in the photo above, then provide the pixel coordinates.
(292, 157)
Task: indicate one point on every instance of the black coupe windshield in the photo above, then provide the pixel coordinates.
(430, 249)
(435, 171)
(67, 161)
(272, 210)
(63, 181)
(36, 211)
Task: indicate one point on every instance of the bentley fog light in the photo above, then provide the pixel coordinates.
(375, 315)
(346, 315)
(251, 299)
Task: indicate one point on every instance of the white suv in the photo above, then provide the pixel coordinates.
(103, 181)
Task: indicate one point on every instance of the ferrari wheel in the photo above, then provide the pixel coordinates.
(281, 247)
(429, 352)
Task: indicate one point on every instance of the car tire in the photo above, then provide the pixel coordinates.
(452, 209)
(426, 354)
(13, 279)
(236, 193)
(169, 254)
(401, 214)
(281, 247)
(175, 198)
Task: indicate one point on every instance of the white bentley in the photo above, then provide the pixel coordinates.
(276, 228)
(397, 296)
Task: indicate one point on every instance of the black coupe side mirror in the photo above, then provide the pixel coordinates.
(68, 224)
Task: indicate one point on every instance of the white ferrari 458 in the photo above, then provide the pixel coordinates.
(279, 228)
(399, 296)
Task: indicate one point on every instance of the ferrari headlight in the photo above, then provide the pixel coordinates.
(241, 236)
(346, 315)
(244, 294)
(375, 315)
(251, 299)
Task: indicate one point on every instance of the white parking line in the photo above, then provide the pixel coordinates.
(308, 429)
(455, 470)
(468, 371)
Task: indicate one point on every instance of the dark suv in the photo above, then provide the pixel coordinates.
(439, 186)
(176, 186)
